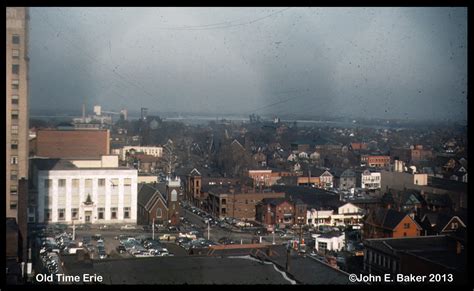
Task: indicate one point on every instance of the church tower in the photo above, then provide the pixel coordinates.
(173, 189)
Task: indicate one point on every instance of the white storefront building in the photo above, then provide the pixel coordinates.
(347, 214)
(333, 241)
(371, 180)
(97, 195)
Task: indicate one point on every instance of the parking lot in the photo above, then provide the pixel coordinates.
(197, 230)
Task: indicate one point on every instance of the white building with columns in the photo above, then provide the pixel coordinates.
(68, 191)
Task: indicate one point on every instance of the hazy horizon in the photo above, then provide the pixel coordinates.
(391, 63)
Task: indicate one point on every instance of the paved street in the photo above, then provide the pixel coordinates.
(216, 232)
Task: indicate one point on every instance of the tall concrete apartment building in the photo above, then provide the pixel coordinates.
(17, 107)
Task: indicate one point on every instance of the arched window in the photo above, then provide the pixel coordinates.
(158, 213)
(174, 195)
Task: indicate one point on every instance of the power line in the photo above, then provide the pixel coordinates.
(204, 27)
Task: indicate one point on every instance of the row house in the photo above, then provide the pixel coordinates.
(316, 177)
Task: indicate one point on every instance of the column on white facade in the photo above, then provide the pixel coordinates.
(120, 199)
(55, 201)
(133, 207)
(107, 214)
(82, 186)
(68, 199)
(95, 198)
(41, 194)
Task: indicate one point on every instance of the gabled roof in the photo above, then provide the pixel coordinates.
(148, 195)
(387, 218)
(194, 172)
(348, 173)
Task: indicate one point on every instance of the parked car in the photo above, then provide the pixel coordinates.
(102, 254)
(168, 237)
(172, 228)
(127, 227)
(97, 236)
(121, 249)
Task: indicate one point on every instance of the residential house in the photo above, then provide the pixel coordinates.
(292, 157)
(315, 156)
(382, 223)
(348, 215)
(303, 156)
(326, 179)
(260, 158)
(319, 217)
(347, 180)
(443, 222)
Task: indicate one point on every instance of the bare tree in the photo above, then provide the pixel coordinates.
(169, 159)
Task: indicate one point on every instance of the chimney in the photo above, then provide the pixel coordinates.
(83, 112)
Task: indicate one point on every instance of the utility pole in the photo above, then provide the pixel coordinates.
(208, 230)
(301, 228)
(273, 233)
(288, 256)
(73, 230)
(153, 229)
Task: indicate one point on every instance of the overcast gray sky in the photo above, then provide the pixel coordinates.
(358, 62)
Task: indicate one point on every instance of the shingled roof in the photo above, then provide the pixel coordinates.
(386, 218)
(148, 194)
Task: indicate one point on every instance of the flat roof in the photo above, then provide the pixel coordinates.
(179, 270)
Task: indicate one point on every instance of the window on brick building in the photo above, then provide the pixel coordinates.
(15, 99)
(15, 53)
(15, 39)
(16, 69)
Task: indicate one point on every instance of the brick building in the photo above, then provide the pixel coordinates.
(375, 161)
(72, 143)
(230, 202)
(159, 202)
